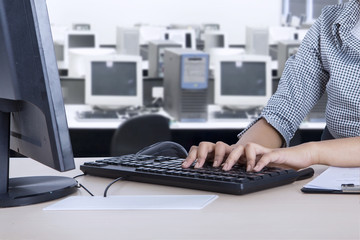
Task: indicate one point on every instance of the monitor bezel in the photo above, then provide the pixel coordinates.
(239, 101)
(113, 101)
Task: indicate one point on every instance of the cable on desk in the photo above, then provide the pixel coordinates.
(82, 186)
(107, 188)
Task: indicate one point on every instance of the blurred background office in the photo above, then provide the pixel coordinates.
(115, 61)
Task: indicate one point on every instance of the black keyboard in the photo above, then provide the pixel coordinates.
(168, 171)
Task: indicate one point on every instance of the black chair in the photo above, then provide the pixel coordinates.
(138, 132)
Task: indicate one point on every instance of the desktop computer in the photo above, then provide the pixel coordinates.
(156, 56)
(257, 40)
(186, 84)
(128, 41)
(285, 50)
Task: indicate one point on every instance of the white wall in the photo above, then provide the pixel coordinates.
(105, 15)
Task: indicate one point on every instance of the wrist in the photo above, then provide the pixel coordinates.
(313, 153)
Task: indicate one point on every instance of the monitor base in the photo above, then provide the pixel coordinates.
(30, 190)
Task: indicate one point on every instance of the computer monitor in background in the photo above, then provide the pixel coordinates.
(32, 113)
(214, 39)
(285, 50)
(128, 41)
(78, 57)
(73, 40)
(114, 82)
(242, 81)
(185, 37)
(257, 40)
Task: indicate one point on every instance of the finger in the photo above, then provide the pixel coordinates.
(252, 150)
(202, 153)
(192, 155)
(265, 160)
(221, 150)
(233, 157)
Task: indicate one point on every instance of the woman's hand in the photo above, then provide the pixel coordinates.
(255, 156)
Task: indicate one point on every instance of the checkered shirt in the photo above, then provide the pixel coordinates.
(327, 60)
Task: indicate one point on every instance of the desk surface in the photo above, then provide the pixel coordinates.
(278, 213)
(239, 124)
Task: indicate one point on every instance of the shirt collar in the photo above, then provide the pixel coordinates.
(347, 20)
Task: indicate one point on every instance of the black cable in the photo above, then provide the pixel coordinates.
(107, 188)
(79, 175)
(82, 186)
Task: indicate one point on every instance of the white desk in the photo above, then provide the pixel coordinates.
(74, 123)
(278, 213)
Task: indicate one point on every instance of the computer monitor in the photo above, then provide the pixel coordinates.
(242, 81)
(74, 40)
(257, 40)
(185, 37)
(78, 56)
(32, 113)
(214, 39)
(128, 41)
(114, 81)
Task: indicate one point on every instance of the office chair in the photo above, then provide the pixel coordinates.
(138, 132)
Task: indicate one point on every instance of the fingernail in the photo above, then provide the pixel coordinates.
(225, 167)
(197, 165)
(216, 163)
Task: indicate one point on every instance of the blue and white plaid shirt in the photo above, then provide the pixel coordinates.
(328, 59)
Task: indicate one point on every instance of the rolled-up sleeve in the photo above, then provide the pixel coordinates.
(302, 84)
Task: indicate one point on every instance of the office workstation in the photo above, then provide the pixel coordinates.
(185, 89)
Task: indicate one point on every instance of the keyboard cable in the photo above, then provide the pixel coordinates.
(107, 188)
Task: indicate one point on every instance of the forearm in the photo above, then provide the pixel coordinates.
(262, 133)
(343, 152)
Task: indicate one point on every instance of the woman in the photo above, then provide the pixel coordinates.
(328, 59)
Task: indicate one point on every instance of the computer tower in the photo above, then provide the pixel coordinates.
(156, 56)
(286, 49)
(257, 40)
(186, 84)
(128, 41)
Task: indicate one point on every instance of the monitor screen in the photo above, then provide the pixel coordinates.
(242, 81)
(113, 78)
(32, 113)
(243, 78)
(113, 81)
(76, 40)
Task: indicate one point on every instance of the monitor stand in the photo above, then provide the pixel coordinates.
(25, 190)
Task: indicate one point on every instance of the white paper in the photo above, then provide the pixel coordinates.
(334, 177)
(136, 202)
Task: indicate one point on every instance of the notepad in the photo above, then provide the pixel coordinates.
(333, 180)
(136, 202)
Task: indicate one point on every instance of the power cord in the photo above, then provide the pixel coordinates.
(82, 186)
(107, 188)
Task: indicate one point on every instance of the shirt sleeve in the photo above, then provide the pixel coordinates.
(302, 84)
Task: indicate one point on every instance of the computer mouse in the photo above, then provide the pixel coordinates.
(165, 148)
